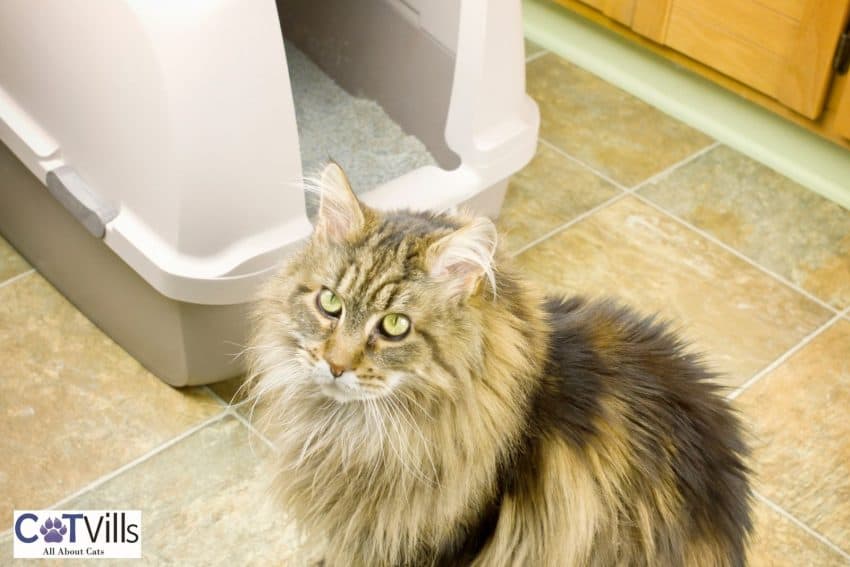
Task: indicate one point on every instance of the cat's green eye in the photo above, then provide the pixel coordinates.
(329, 303)
(395, 326)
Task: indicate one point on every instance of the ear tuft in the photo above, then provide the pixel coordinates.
(465, 257)
(340, 215)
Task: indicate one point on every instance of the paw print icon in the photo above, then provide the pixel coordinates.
(52, 530)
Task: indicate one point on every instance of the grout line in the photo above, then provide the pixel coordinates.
(701, 232)
(569, 223)
(800, 524)
(233, 411)
(13, 279)
(738, 254)
(253, 429)
(537, 55)
(228, 410)
(783, 357)
(127, 466)
(634, 191)
(625, 190)
(216, 397)
(574, 159)
(681, 163)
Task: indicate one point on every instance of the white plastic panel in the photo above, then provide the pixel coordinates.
(492, 122)
(179, 112)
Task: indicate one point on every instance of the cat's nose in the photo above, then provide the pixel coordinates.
(336, 369)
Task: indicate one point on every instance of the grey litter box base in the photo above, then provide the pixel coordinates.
(182, 343)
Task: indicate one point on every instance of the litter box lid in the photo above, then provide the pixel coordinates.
(177, 116)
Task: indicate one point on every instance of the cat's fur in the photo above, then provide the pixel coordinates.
(505, 429)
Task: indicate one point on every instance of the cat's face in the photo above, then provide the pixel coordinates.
(362, 317)
(377, 304)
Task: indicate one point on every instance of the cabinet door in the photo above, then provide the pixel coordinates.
(783, 48)
(842, 116)
(620, 10)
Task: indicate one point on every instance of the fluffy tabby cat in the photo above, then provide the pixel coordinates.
(430, 407)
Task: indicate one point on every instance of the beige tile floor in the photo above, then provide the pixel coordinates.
(620, 200)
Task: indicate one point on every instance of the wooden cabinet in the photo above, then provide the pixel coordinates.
(842, 114)
(783, 50)
(620, 10)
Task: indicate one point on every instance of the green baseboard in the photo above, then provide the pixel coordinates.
(791, 150)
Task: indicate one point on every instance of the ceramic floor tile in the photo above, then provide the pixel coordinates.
(550, 191)
(73, 405)
(11, 263)
(605, 127)
(769, 218)
(203, 502)
(532, 48)
(801, 433)
(740, 317)
(778, 542)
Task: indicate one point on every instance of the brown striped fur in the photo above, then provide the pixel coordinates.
(505, 429)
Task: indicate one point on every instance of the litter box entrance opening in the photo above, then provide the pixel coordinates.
(371, 87)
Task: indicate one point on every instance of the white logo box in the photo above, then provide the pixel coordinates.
(77, 534)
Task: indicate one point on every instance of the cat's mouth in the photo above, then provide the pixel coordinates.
(343, 393)
(346, 394)
(344, 389)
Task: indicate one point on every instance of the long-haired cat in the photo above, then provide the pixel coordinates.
(430, 407)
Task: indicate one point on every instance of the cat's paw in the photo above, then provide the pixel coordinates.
(53, 530)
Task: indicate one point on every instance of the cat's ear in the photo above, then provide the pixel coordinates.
(340, 215)
(464, 258)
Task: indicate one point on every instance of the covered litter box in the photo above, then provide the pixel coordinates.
(154, 149)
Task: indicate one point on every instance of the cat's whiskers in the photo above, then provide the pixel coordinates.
(377, 465)
(260, 373)
(392, 429)
(244, 350)
(390, 432)
(383, 436)
(410, 398)
(358, 430)
(336, 409)
(393, 432)
(318, 436)
(401, 427)
(405, 415)
(275, 378)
